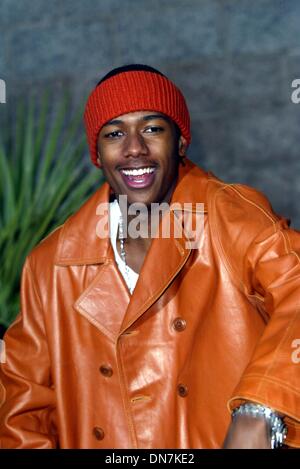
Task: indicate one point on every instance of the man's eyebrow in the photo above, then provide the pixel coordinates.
(113, 122)
(155, 116)
(148, 117)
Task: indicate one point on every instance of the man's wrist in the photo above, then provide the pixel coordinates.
(276, 425)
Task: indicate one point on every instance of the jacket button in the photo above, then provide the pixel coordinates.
(179, 324)
(106, 370)
(182, 390)
(98, 432)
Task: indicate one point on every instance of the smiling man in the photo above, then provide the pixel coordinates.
(131, 341)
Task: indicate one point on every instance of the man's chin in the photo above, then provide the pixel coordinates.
(139, 197)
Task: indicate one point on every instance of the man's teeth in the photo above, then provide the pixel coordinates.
(137, 172)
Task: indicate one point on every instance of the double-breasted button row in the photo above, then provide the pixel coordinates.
(179, 324)
(106, 370)
(98, 433)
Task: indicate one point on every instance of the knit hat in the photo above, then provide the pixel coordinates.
(133, 89)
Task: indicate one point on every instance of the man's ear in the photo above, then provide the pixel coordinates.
(182, 146)
(99, 160)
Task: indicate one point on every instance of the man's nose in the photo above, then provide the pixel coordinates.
(135, 145)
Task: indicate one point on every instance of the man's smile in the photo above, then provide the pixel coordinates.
(138, 178)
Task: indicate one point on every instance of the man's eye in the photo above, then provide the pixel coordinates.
(154, 129)
(114, 134)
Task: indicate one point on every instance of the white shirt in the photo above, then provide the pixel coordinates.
(114, 216)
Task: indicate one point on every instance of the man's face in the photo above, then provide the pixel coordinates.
(139, 154)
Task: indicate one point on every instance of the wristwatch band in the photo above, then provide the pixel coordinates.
(278, 429)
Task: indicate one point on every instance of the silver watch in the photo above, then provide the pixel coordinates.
(277, 427)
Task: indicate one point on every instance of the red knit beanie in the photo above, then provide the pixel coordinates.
(135, 90)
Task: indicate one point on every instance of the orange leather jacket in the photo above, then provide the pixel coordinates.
(89, 367)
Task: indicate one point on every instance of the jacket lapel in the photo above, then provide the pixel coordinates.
(164, 260)
(105, 301)
(83, 241)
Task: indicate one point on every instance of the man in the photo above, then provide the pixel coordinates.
(131, 341)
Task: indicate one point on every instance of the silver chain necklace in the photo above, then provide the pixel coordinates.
(123, 252)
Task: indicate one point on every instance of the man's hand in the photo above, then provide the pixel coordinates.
(248, 432)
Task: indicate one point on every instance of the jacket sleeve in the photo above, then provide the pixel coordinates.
(271, 277)
(27, 402)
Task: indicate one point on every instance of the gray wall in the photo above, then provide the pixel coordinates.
(234, 60)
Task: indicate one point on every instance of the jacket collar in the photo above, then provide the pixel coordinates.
(79, 243)
(191, 185)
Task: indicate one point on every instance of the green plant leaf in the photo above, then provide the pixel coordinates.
(44, 177)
